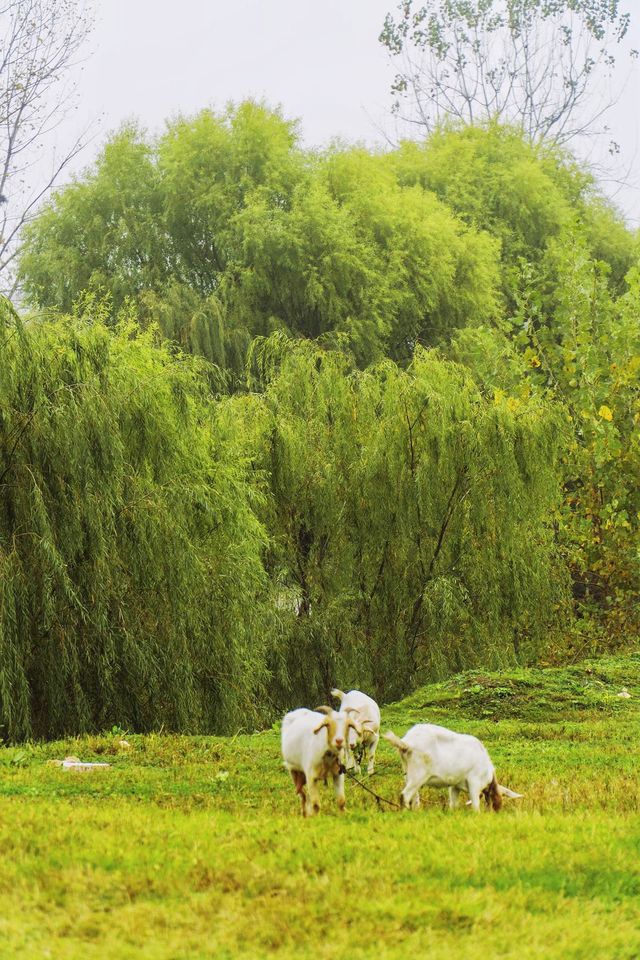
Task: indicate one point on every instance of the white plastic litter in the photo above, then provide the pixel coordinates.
(79, 765)
(74, 763)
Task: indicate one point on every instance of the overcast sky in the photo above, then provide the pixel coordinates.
(321, 61)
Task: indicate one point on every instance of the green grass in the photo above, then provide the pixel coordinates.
(193, 847)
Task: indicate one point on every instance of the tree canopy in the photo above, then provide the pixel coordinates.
(224, 229)
(130, 553)
(407, 516)
(282, 419)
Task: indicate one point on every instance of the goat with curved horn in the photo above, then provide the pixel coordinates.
(313, 749)
(363, 739)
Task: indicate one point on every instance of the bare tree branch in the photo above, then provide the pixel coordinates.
(536, 63)
(40, 44)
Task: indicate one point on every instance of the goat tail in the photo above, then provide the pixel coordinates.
(505, 792)
(338, 694)
(396, 742)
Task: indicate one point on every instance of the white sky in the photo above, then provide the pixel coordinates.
(321, 61)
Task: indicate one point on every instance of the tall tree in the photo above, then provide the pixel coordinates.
(131, 577)
(407, 513)
(225, 229)
(535, 63)
(39, 43)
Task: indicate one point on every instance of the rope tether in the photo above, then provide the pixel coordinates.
(379, 799)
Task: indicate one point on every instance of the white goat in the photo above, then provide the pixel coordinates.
(436, 757)
(313, 743)
(366, 713)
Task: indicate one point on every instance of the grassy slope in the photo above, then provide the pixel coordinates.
(192, 847)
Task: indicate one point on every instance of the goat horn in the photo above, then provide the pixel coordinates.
(323, 709)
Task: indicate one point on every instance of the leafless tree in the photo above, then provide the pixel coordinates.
(544, 65)
(40, 44)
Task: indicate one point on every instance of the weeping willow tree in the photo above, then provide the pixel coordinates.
(130, 555)
(225, 229)
(166, 558)
(409, 518)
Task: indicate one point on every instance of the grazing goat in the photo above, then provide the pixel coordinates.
(313, 743)
(367, 714)
(433, 756)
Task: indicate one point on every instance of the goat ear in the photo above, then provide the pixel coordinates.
(356, 727)
(371, 724)
(323, 709)
(325, 723)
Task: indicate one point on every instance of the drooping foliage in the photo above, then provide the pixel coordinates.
(168, 559)
(406, 515)
(434, 276)
(153, 224)
(587, 354)
(130, 555)
(360, 510)
(586, 357)
(224, 229)
(106, 236)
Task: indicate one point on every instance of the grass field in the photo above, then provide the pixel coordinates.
(193, 847)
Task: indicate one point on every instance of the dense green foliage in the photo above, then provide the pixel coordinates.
(224, 229)
(221, 865)
(526, 196)
(425, 434)
(167, 557)
(129, 551)
(406, 515)
(586, 356)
